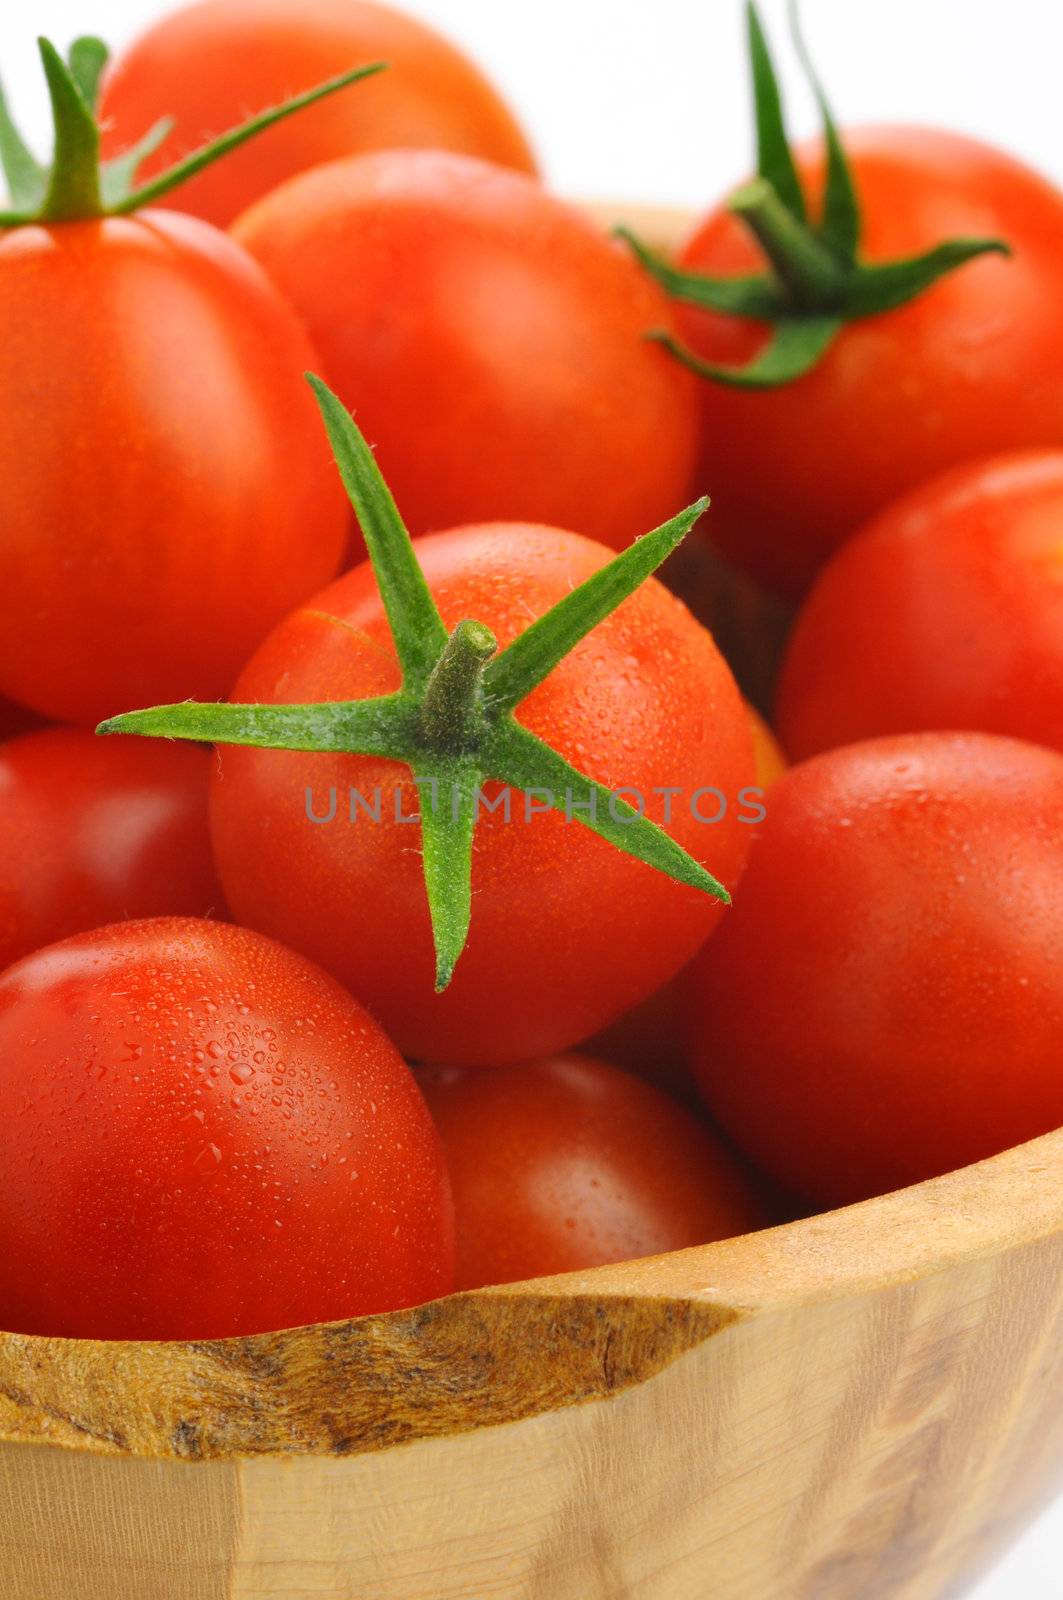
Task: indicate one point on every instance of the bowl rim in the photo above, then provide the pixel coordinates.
(447, 1367)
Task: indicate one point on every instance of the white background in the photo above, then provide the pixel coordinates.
(646, 99)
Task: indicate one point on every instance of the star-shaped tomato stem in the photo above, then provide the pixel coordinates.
(77, 184)
(816, 281)
(452, 722)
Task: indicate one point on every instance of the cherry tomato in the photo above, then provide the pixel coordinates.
(946, 611)
(98, 830)
(166, 492)
(650, 1039)
(211, 65)
(205, 1136)
(490, 341)
(566, 1164)
(885, 1000)
(965, 370)
(567, 931)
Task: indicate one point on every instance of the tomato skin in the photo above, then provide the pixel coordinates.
(190, 1106)
(213, 64)
(885, 1002)
(966, 370)
(566, 1164)
(946, 611)
(99, 830)
(650, 1039)
(567, 931)
(490, 341)
(166, 490)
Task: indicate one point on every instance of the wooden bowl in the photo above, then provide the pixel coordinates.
(863, 1405)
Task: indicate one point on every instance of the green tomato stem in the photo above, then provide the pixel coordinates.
(77, 186)
(452, 722)
(207, 154)
(451, 711)
(74, 183)
(818, 282)
(808, 272)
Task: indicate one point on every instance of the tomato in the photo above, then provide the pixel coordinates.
(946, 611)
(210, 65)
(885, 1000)
(566, 1164)
(650, 1038)
(490, 341)
(205, 1137)
(567, 931)
(965, 370)
(97, 830)
(166, 493)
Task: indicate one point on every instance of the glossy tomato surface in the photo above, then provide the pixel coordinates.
(650, 1039)
(566, 1164)
(490, 341)
(205, 1137)
(212, 65)
(966, 370)
(885, 1001)
(567, 931)
(166, 490)
(946, 611)
(98, 830)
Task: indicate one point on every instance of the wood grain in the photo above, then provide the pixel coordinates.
(859, 1406)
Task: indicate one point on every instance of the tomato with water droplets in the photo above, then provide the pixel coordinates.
(97, 831)
(323, 850)
(566, 1164)
(166, 493)
(489, 339)
(205, 1136)
(945, 611)
(885, 1000)
(966, 369)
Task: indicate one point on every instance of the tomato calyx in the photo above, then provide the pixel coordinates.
(452, 712)
(77, 184)
(816, 281)
(452, 722)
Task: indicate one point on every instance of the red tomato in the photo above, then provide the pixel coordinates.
(166, 491)
(946, 611)
(566, 930)
(205, 1137)
(97, 830)
(967, 369)
(213, 64)
(490, 341)
(885, 1000)
(566, 1164)
(650, 1038)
